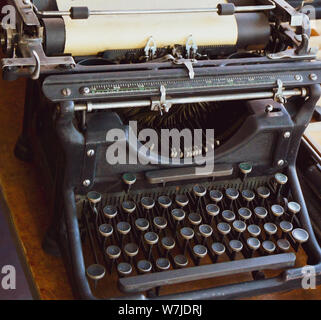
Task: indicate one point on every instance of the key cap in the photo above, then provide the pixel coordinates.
(260, 213)
(283, 245)
(194, 218)
(277, 210)
(96, 272)
(200, 252)
(300, 236)
(181, 200)
(228, 215)
(245, 213)
(268, 246)
(187, 234)
(239, 226)
(181, 261)
(164, 201)
(216, 196)
(206, 231)
(270, 229)
(212, 210)
(148, 203)
(151, 238)
(236, 246)
(163, 264)
(144, 266)
(110, 212)
(94, 197)
(254, 230)
(293, 209)
(124, 269)
(168, 243)
(254, 244)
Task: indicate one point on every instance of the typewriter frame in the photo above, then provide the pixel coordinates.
(67, 183)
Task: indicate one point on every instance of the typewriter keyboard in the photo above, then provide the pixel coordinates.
(145, 240)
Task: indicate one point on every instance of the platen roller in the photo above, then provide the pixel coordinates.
(115, 32)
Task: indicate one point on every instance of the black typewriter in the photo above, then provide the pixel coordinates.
(154, 229)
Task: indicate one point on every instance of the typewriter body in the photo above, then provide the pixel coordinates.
(153, 230)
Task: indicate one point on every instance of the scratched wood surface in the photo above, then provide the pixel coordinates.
(24, 193)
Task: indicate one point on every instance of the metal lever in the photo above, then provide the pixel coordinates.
(188, 63)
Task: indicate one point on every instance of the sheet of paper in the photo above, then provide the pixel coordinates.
(112, 32)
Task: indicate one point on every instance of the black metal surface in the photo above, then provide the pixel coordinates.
(224, 79)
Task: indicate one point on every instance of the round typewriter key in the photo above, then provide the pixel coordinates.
(96, 272)
(164, 201)
(131, 249)
(110, 212)
(239, 226)
(270, 229)
(216, 195)
(218, 248)
(281, 178)
(144, 266)
(268, 246)
(200, 252)
(194, 218)
(151, 238)
(283, 245)
(160, 223)
(253, 243)
(245, 167)
(148, 203)
(129, 206)
(277, 210)
(205, 230)
(263, 192)
(199, 191)
(212, 210)
(254, 230)
(228, 215)
(300, 235)
(113, 252)
(187, 233)
(178, 214)
(260, 212)
(245, 213)
(286, 227)
(248, 195)
(181, 200)
(224, 228)
(163, 264)
(293, 208)
(232, 193)
(129, 178)
(168, 243)
(180, 261)
(236, 246)
(94, 197)
(142, 224)
(123, 228)
(106, 230)
(124, 269)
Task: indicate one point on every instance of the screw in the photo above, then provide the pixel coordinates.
(298, 77)
(66, 92)
(313, 77)
(85, 90)
(287, 135)
(90, 153)
(269, 108)
(280, 163)
(86, 183)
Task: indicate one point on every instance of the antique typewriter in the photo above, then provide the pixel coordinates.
(164, 229)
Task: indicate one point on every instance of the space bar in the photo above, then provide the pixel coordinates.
(149, 281)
